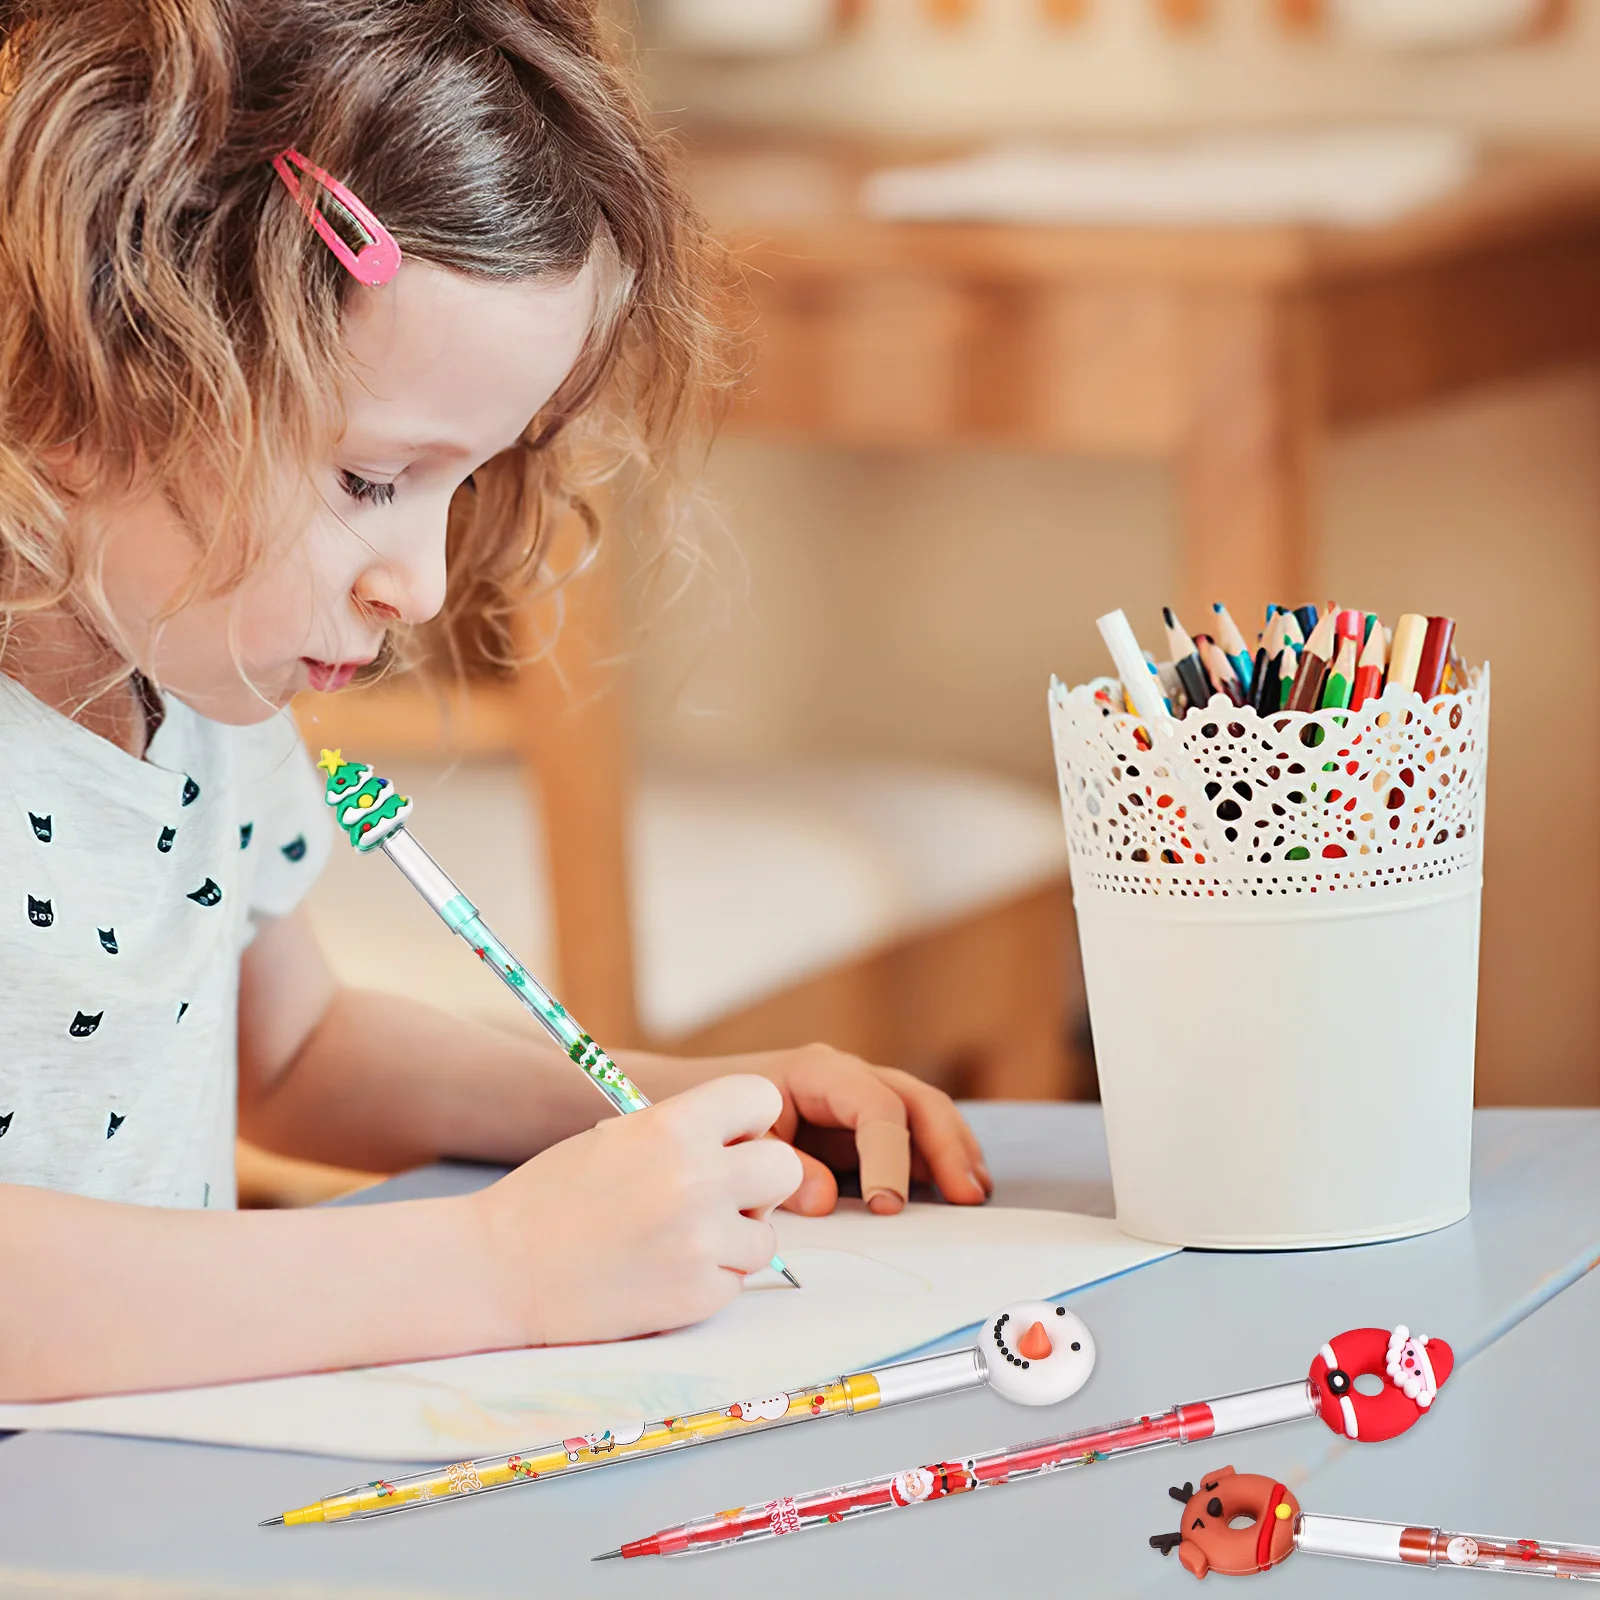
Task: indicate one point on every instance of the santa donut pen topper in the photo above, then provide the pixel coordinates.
(1408, 1370)
(1237, 1523)
(1032, 1352)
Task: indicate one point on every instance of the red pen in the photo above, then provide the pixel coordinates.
(1410, 1370)
(1435, 652)
(1369, 669)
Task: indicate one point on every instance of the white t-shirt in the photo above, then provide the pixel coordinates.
(128, 892)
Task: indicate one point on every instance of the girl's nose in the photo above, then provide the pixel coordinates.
(404, 589)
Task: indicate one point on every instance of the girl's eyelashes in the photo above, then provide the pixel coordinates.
(365, 490)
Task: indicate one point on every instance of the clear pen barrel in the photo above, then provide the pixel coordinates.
(1403, 1545)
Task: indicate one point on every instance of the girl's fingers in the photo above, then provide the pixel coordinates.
(762, 1173)
(748, 1245)
(944, 1141)
(885, 1151)
(819, 1189)
(839, 1091)
(942, 1109)
(740, 1106)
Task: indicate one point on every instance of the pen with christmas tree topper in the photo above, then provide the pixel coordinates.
(373, 814)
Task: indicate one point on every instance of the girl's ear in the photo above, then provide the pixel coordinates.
(70, 466)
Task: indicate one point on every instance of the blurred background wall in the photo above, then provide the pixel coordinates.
(950, 68)
(915, 603)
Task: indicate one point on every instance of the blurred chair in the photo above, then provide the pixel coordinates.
(920, 918)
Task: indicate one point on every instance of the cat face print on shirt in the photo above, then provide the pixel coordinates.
(40, 913)
(164, 843)
(42, 828)
(83, 1024)
(208, 894)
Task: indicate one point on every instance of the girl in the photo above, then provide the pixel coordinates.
(234, 434)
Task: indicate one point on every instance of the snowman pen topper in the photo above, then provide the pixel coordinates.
(1032, 1352)
(1237, 1523)
(1407, 1369)
(373, 814)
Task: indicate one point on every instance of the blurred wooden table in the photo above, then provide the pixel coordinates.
(1227, 352)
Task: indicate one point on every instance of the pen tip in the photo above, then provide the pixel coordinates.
(791, 1277)
(1168, 617)
(271, 1522)
(610, 1555)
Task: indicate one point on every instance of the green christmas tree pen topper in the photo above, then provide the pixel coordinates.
(373, 814)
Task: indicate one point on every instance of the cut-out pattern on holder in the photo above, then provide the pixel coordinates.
(1228, 804)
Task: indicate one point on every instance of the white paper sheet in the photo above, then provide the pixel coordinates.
(875, 1288)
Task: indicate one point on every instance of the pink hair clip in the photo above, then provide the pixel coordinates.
(379, 259)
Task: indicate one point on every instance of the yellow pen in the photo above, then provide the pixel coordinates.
(1034, 1352)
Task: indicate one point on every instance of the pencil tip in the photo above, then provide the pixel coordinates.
(610, 1555)
(1168, 617)
(791, 1277)
(271, 1522)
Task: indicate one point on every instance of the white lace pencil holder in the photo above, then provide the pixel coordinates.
(1279, 924)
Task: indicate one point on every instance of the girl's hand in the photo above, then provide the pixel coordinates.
(644, 1222)
(844, 1114)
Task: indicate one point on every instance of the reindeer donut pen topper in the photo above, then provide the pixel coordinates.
(1237, 1523)
(1409, 1371)
(1033, 1353)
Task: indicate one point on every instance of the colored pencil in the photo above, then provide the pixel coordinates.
(1155, 672)
(1288, 666)
(1405, 654)
(1307, 617)
(1369, 670)
(1291, 633)
(1258, 673)
(1171, 686)
(1348, 625)
(1264, 697)
(1186, 659)
(1435, 651)
(1341, 676)
(1219, 670)
(1314, 662)
(1233, 646)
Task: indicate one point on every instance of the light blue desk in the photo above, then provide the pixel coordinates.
(1511, 1447)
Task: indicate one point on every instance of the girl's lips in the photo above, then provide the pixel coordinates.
(327, 676)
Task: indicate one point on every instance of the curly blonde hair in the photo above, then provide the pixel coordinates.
(167, 313)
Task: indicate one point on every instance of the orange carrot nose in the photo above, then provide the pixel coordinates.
(1035, 1343)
